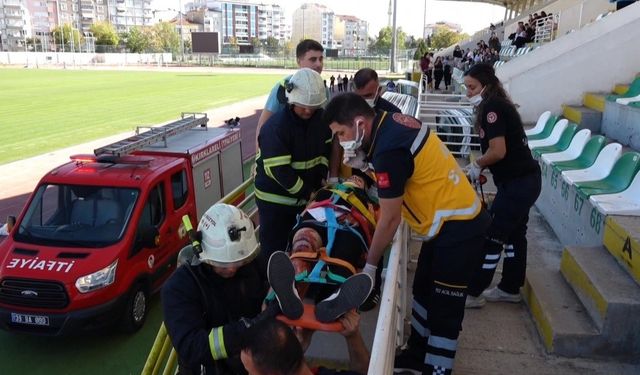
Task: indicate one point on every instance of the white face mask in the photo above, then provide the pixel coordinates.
(372, 102)
(476, 99)
(355, 143)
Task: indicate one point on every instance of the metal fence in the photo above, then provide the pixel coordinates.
(451, 117)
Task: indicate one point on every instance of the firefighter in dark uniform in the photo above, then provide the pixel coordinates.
(418, 180)
(209, 301)
(516, 175)
(293, 159)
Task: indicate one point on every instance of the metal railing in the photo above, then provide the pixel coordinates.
(393, 307)
(451, 117)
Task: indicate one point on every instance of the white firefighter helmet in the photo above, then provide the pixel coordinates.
(228, 238)
(306, 88)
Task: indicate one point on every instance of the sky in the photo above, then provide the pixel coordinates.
(472, 16)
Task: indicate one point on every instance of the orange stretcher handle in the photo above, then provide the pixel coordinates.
(308, 320)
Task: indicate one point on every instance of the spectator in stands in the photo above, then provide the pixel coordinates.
(516, 175)
(420, 181)
(438, 72)
(448, 72)
(272, 348)
(367, 85)
(530, 33)
(332, 82)
(494, 42)
(424, 68)
(521, 37)
(457, 56)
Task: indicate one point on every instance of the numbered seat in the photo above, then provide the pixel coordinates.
(618, 180)
(587, 157)
(573, 151)
(600, 168)
(548, 128)
(626, 202)
(540, 124)
(563, 143)
(553, 138)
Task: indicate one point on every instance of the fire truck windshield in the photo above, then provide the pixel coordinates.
(74, 215)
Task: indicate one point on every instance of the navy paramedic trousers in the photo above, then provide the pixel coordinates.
(445, 265)
(508, 231)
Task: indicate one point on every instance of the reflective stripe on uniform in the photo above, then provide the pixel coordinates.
(296, 188)
(279, 199)
(302, 165)
(443, 214)
(216, 344)
(275, 162)
(424, 131)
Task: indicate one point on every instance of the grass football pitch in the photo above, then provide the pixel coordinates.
(44, 110)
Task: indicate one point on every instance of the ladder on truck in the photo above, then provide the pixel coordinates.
(154, 134)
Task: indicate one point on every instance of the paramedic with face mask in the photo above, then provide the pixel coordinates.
(517, 177)
(419, 180)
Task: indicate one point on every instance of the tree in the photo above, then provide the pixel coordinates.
(63, 34)
(382, 43)
(105, 34)
(139, 39)
(421, 49)
(443, 38)
(166, 38)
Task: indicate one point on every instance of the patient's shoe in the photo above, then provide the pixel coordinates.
(351, 295)
(281, 277)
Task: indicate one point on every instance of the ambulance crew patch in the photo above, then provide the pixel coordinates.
(382, 180)
(492, 117)
(407, 121)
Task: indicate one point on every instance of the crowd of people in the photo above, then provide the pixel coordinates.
(334, 177)
(526, 31)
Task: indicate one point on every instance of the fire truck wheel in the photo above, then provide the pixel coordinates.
(136, 310)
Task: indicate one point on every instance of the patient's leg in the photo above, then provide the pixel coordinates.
(306, 240)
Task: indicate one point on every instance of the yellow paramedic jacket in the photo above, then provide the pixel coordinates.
(411, 162)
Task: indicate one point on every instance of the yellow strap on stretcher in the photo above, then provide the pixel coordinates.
(351, 198)
(322, 255)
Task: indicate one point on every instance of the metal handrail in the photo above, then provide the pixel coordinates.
(393, 307)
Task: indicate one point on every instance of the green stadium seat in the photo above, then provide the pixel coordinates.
(618, 179)
(587, 157)
(562, 144)
(546, 132)
(634, 90)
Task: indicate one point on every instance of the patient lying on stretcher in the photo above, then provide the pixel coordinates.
(327, 249)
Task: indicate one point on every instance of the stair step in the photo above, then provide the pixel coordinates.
(605, 289)
(586, 118)
(561, 320)
(595, 101)
(622, 240)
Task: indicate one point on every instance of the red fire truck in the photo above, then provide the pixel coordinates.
(102, 232)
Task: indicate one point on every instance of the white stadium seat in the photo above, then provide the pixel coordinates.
(600, 168)
(573, 151)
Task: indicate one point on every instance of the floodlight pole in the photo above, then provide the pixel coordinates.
(181, 38)
(394, 37)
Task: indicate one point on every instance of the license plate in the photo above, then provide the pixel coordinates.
(35, 320)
